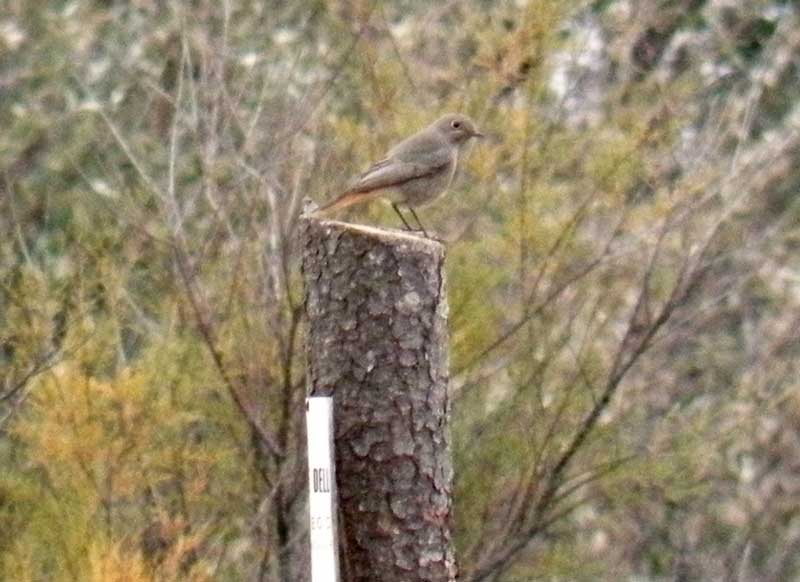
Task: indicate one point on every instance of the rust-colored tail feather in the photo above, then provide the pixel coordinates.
(346, 199)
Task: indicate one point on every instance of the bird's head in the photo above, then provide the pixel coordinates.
(457, 128)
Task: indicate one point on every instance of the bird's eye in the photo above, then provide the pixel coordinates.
(456, 124)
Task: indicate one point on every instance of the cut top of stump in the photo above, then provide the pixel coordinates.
(386, 235)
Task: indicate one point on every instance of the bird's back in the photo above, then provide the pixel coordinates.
(427, 147)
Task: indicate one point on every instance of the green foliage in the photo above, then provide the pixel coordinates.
(149, 444)
(620, 258)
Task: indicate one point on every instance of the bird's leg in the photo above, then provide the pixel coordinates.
(419, 222)
(400, 214)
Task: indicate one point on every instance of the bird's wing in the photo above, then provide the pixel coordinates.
(415, 157)
(393, 173)
(412, 158)
(384, 174)
(376, 166)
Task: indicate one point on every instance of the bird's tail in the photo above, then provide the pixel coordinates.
(348, 198)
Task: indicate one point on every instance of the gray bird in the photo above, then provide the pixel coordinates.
(414, 172)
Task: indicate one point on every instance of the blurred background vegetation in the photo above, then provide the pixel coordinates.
(622, 262)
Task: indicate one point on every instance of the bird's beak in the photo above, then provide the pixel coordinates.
(477, 133)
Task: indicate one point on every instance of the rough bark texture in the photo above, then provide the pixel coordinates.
(377, 341)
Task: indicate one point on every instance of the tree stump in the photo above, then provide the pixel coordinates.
(377, 342)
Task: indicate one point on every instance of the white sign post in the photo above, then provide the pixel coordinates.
(322, 490)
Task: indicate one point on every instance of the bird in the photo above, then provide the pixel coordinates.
(414, 172)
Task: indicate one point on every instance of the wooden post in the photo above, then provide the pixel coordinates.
(377, 342)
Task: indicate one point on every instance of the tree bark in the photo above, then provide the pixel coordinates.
(377, 341)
